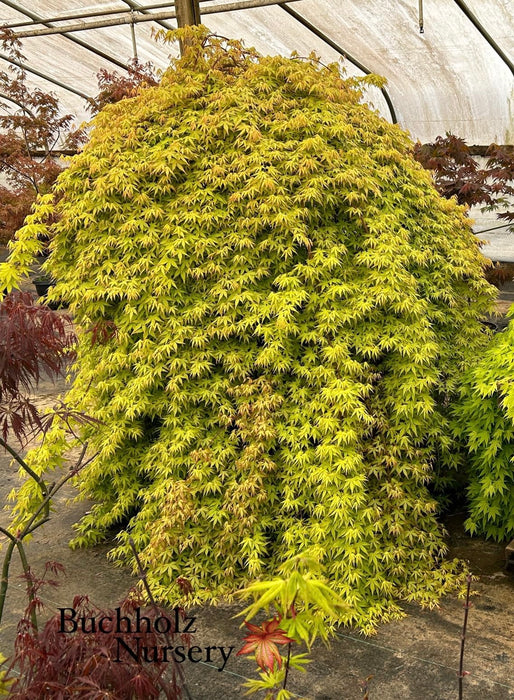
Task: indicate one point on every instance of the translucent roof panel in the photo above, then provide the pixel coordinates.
(449, 78)
(446, 79)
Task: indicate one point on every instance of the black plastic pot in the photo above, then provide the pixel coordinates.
(496, 324)
(42, 287)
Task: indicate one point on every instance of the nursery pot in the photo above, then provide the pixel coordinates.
(42, 286)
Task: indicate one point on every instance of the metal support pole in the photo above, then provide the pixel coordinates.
(188, 12)
(133, 36)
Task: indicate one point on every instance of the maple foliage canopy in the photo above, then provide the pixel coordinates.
(293, 303)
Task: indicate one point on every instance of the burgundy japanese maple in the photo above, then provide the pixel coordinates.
(457, 174)
(89, 662)
(33, 341)
(114, 87)
(32, 132)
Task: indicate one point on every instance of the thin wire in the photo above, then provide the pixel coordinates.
(203, 663)
(238, 675)
(359, 641)
(231, 673)
(419, 658)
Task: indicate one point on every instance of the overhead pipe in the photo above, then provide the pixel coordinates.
(94, 13)
(134, 18)
(321, 35)
(140, 8)
(129, 18)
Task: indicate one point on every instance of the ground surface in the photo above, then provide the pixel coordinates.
(416, 657)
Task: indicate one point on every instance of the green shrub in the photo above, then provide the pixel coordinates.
(485, 421)
(293, 303)
(4, 682)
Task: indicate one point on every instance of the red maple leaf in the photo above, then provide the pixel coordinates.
(263, 641)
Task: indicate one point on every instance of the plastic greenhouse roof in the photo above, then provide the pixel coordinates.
(458, 75)
(448, 78)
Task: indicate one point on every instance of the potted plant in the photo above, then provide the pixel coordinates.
(42, 284)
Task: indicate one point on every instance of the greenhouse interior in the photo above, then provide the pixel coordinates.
(257, 349)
